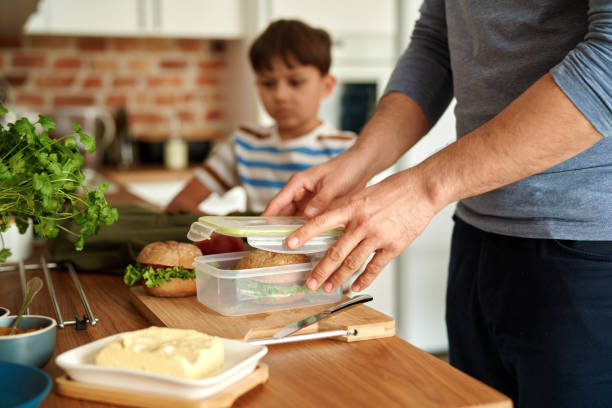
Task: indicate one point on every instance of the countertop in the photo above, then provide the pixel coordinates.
(379, 373)
(145, 173)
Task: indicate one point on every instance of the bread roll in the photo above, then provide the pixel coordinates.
(169, 253)
(258, 258)
(176, 287)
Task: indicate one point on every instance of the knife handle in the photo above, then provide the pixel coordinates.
(350, 302)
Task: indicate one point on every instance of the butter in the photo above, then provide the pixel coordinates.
(176, 352)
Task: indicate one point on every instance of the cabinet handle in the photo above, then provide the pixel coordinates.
(141, 11)
(157, 15)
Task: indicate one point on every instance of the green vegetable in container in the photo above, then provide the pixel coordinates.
(267, 291)
(41, 180)
(155, 276)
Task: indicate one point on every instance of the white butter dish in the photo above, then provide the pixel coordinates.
(240, 359)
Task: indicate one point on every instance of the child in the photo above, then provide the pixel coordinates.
(291, 63)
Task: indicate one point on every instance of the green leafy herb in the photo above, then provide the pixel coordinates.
(155, 276)
(41, 180)
(261, 291)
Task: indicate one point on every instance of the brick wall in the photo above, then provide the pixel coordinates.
(153, 78)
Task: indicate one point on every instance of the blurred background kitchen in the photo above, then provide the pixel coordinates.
(159, 81)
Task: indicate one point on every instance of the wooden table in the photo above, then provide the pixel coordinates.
(323, 373)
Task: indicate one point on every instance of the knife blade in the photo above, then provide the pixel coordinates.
(293, 327)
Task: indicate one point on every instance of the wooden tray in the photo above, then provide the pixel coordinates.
(224, 398)
(188, 313)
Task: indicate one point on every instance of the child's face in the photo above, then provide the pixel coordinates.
(292, 96)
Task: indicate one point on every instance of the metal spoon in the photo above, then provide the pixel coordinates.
(33, 286)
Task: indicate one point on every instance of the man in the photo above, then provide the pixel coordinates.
(529, 302)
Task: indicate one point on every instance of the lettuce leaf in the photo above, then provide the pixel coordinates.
(155, 276)
(261, 291)
(133, 274)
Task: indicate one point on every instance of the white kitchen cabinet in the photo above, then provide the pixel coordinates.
(157, 18)
(199, 18)
(340, 16)
(87, 17)
(363, 31)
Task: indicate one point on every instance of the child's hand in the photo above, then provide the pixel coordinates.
(189, 198)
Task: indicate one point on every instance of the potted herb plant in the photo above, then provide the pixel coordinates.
(41, 182)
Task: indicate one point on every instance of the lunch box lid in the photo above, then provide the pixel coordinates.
(267, 233)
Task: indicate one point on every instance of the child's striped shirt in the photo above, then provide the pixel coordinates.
(262, 163)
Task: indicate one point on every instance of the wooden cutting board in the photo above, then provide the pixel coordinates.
(188, 313)
(224, 398)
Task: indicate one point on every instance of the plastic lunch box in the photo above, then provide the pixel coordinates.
(234, 292)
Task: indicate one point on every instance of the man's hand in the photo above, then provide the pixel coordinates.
(382, 219)
(378, 219)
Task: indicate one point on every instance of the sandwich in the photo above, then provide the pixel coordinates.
(166, 267)
(279, 288)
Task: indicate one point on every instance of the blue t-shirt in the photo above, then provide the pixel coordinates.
(486, 53)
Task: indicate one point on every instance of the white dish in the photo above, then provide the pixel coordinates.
(240, 359)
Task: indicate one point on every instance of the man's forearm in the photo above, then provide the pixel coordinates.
(397, 125)
(540, 129)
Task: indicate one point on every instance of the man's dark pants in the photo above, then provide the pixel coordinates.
(532, 317)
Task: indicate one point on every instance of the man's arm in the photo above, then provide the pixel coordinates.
(544, 126)
(397, 125)
(540, 129)
(559, 116)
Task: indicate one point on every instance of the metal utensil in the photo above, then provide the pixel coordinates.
(303, 337)
(32, 288)
(46, 267)
(293, 327)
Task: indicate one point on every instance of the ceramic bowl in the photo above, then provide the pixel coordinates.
(33, 348)
(4, 311)
(22, 386)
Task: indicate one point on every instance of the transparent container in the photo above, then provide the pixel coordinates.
(236, 292)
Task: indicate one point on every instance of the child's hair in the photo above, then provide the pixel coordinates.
(291, 38)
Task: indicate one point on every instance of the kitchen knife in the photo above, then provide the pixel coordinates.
(293, 327)
(303, 337)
